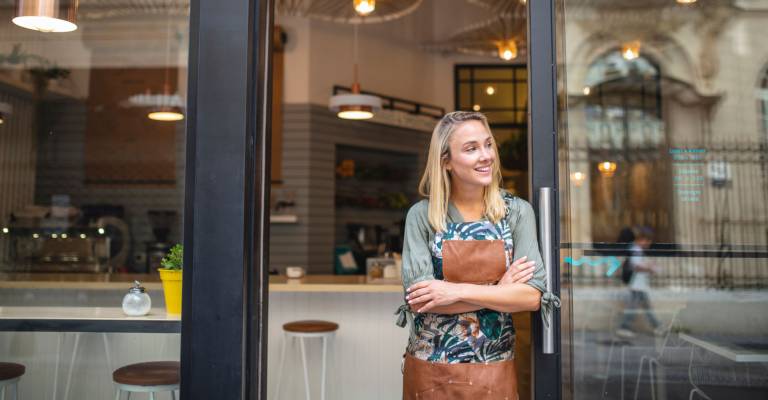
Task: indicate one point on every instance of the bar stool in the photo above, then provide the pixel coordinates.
(151, 377)
(301, 330)
(10, 373)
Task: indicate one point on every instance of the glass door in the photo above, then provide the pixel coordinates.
(661, 198)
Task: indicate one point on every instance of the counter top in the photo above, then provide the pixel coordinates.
(330, 283)
(277, 283)
(86, 319)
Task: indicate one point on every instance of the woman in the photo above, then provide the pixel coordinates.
(461, 283)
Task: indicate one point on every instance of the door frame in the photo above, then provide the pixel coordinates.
(224, 324)
(227, 192)
(542, 164)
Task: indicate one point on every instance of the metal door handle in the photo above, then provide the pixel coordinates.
(545, 229)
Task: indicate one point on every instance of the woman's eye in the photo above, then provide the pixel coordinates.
(471, 148)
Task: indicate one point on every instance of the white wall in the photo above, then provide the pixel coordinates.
(391, 57)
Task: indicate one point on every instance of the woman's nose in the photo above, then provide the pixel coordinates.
(486, 153)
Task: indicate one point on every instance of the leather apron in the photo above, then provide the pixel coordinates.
(464, 261)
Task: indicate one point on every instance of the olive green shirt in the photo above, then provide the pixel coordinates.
(419, 235)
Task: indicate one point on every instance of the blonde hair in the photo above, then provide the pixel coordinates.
(436, 182)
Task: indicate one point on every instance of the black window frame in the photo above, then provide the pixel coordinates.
(224, 320)
(473, 81)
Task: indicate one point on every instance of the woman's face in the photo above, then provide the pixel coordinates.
(472, 155)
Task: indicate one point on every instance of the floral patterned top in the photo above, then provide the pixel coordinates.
(480, 336)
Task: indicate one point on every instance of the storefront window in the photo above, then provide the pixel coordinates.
(662, 164)
(92, 165)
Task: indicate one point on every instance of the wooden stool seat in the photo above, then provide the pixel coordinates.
(304, 331)
(310, 326)
(155, 373)
(10, 370)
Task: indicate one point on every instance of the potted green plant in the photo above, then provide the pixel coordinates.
(170, 275)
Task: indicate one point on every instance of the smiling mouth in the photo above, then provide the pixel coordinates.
(483, 169)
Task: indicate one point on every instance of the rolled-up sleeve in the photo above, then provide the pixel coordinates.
(526, 244)
(525, 241)
(417, 258)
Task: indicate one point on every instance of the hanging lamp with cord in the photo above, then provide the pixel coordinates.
(46, 15)
(364, 7)
(167, 109)
(354, 105)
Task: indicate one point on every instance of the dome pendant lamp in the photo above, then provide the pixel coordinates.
(46, 15)
(167, 111)
(364, 7)
(355, 105)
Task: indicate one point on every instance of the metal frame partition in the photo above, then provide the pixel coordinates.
(224, 328)
(542, 125)
(225, 230)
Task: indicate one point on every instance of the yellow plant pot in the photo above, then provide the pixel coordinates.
(172, 289)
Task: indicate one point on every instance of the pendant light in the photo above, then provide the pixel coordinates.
(364, 7)
(507, 49)
(46, 15)
(607, 168)
(630, 50)
(166, 110)
(578, 178)
(354, 105)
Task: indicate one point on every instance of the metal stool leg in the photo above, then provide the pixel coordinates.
(306, 367)
(151, 395)
(117, 394)
(322, 377)
(280, 368)
(173, 395)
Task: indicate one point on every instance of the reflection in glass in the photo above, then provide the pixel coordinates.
(665, 235)
(91, 189)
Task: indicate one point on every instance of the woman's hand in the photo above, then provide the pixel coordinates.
(433, 293)
(519, 272)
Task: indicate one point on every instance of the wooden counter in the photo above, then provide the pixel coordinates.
(277, 283)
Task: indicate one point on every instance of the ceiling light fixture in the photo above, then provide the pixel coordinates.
(166, 110)
(607, 168)
(166, 114)
(686, 1)
(490, 90)
(507, 49)
(364, 7)
(46, 15)
(630, 50)
(586, 90)
(476, 107)
(354, 105)
(578, 178)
